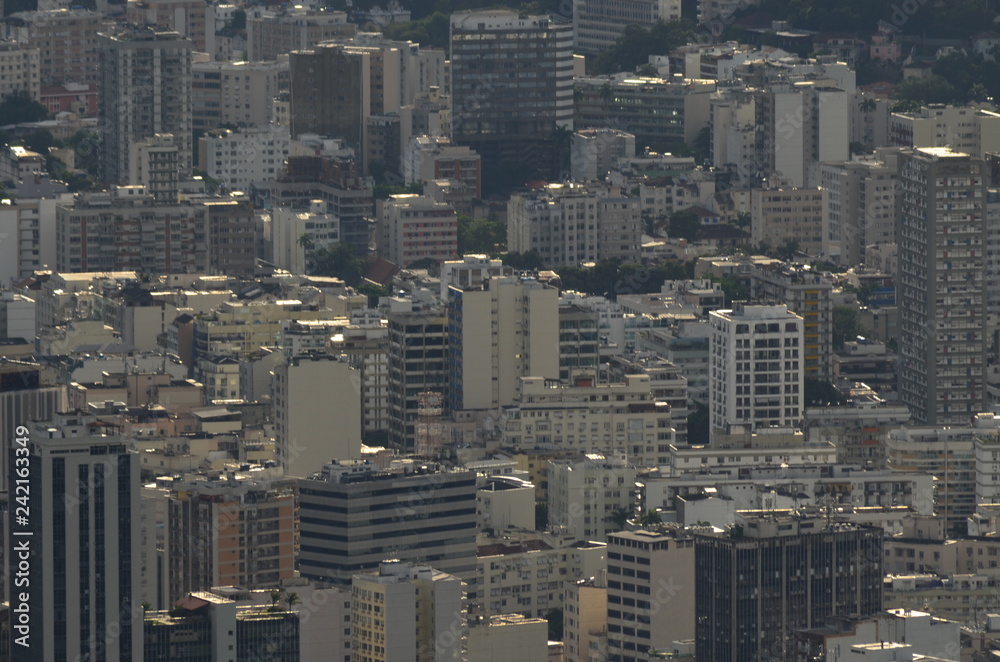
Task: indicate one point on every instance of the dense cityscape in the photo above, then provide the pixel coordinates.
(564, 331)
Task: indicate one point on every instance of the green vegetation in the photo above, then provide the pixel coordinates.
(481, 235)
(684, 225)
(698, 422)
(541, 516)
(19, 108)
(633, 48)
(555, 619)
(731, 288)
(820, 393)
(612, 277)
(433, 30)
(340, 260)
(846, 325)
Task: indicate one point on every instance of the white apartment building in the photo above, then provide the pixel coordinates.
(949, 454)
(296, 234)
(756, 368)
(28, 228)
(416, 227)
(987, 456)
(607, 418)
(859, 209)
(585, 493)
(568, 224)
(498, 333)
(245, 158)
(407, 613)
(962, 128)
(470, 271)
(238, 93)
(593, 152)
(221, 377)
(527, 574)
(317, 413)
(505, 502)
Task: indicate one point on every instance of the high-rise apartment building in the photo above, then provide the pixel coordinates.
(67, 41)
(415, 227)
(75, 540)
(762, 581)
(316, 399)
(24, 396)
(650, 586)
(270, 34)
(625, 418)
(228, 533)
(807, 293)
(965, 129)
(354, 516)
(499, 332)
(569, 223)
(241, 93)
(418, 363)
(511, 121)
(789, 217)
(859, 209)
(335, 181)
(185, 17)
(940, 286)
(19, 62)
(127, 229)
(407, 613)
(657, 111)
(145, 83)
(336, 88)
(586, 491)
(756, 368)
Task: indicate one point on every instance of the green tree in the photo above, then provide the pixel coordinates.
(19, 108)
(433, 30)
(650, 518)
(239, 21)
(788, 249)
(846, 325)
(541, 516)
(620, 516)
(820, 393)
(523, 261)
(555, 619)
(684, 225)
(698, 425)
(932, 89)
(339, 260)
(480, 235)
(633, 48)
(647, 70)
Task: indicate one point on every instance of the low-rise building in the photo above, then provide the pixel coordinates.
(607, 418)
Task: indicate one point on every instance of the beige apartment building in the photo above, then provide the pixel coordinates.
(782, 215)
